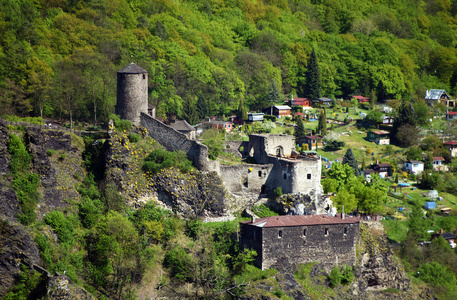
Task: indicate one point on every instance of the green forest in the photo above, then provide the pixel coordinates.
(58, 58)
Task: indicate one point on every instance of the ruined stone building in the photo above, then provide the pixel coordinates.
(292, 240)
(277, 166)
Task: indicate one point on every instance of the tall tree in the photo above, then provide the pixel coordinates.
(349, 159)
(404, 126)
(299, 130)
(322, 125)
(380, 92)
(312, 88)
(242, 113)
(372, 98)
(190, 113)
(202, 108)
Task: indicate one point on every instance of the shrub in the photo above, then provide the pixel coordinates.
(133, 137)
(277, 192)
(180, 263)
(50, 152)
(61, 225)
(119, 123)
(436, 274)
(214, 148)
(335, 276)
(20, 158)
(160, 159)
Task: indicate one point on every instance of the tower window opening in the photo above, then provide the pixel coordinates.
(280, 234)
(326, 231)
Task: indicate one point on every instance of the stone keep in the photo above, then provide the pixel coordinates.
(293, 240)
(132, 93)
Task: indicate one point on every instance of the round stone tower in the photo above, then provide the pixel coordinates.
(132, 93)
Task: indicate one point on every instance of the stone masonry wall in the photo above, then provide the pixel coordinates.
(295, 246)
(132, 96)
(246, 179)
(173, 140)
(251, 238)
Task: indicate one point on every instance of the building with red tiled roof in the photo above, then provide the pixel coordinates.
(361, 99)
(452, 115)
(293, 240)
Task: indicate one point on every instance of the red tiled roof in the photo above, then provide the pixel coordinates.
(358, 97)
(379, 132)
(287, 221)
(438, 158)
(300, 99)
(313, 137)
(450, 143)
(452, 113)
(383, 165)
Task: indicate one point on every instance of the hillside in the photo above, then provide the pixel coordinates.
(58, 58)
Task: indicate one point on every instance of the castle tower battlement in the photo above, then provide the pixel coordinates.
(132, 93)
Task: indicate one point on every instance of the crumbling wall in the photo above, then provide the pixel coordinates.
(174, 140)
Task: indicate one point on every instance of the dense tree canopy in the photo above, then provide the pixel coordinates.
(58, 58)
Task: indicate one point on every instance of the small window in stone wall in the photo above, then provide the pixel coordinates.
(308, 176)
(285, 176)
(288, 245)
(144, 76)
(280, 234)
(326, 231)
(260, 173)
(304, 232)
(345, 231)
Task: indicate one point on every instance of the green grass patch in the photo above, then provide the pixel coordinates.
(395, 229)
(263, 211)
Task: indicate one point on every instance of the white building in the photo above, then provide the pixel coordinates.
(413, 166)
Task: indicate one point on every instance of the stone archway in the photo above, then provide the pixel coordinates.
(279, 151)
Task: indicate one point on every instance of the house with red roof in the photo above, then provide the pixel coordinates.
(452, 115)
(380, 137)
(438, 164)
(303, 103)
(313, 141)
(299, 239)
(361, 99)
(452, 147)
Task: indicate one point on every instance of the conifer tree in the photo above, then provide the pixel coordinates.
(299, 130)
(372, 98)
(202, 108)
(312, 87)
(322, 125)
(242, 113)
(349, 159)
(190, 113)
(273, 95)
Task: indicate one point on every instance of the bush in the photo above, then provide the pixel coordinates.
(20, 158)
(160, 159)
(180, 263)
(214, 148)
(50, 152)
(335, 276)
(133, 137)
(277, 192)
(436, 274)
(119, 123)
(61, 225)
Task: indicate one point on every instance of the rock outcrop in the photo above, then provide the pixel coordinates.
(378, 269)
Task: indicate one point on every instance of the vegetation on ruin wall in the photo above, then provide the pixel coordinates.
(59, 58)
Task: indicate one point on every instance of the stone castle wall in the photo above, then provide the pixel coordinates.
(174, 140)
(247, 179)
(132, 96)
